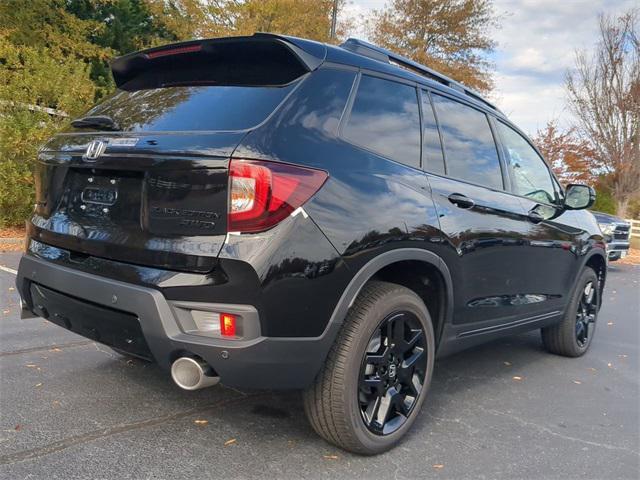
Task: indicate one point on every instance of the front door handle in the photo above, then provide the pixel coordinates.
(461, 201)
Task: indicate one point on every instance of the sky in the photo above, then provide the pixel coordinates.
(536, 44)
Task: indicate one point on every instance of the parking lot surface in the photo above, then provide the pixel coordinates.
(71, 408)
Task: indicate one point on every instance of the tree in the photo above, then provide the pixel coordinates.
(187, 19)
(32, 79)
(450, 36)
(604, 96)
(571, 157)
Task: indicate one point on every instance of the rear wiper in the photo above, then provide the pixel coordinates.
(101, 122)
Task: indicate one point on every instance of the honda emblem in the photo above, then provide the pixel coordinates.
(94, 150)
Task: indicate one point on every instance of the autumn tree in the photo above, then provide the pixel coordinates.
(571, 156)
(604, 96)
(450, 36)
(187, 19)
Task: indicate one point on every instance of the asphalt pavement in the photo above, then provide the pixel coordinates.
(71, 408)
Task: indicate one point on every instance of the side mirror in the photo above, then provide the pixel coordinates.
(577, 197)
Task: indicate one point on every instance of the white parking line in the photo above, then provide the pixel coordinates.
(8, 270)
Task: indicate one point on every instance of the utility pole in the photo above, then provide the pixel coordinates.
(334, 16)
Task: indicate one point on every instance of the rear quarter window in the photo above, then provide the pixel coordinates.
(385, 119)
(192, 108)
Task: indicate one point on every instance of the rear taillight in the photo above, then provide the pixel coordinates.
(264, 193)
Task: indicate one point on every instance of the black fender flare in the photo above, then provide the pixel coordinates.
(375, 265)
(593, 252)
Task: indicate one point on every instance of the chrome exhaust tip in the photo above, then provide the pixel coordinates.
(25, 312)
(191, 374)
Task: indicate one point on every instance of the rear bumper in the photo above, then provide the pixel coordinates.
(95, 306)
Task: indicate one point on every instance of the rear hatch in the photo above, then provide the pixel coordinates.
(143, 178)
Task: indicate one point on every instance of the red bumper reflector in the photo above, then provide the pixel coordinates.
(227, 325)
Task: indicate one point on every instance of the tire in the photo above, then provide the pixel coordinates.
(573, 335)
(357, 376)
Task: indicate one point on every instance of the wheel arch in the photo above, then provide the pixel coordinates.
(598, 261)
(386, 267)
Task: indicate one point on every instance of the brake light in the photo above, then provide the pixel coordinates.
(174, 51)
(262, 194)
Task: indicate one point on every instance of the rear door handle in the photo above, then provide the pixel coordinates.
(461, 201)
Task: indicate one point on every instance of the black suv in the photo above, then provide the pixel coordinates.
(272, 212)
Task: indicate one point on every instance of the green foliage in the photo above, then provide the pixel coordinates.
(32, 78)
(604, 201)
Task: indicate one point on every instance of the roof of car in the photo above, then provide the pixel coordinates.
(607, 216)
(361, 54)
(353, 52)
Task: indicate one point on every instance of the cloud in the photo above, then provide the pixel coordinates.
(536, 45)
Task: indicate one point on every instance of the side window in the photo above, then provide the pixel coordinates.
(385, 119)
(469, 146)
(432, 158)
(531, 177)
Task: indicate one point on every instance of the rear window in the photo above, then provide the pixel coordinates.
(192, 108)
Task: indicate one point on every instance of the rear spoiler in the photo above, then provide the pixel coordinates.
(260, 59)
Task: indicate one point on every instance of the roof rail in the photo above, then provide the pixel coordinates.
(383, 55)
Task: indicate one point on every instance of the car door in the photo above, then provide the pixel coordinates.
(554, 237)
(484, 226)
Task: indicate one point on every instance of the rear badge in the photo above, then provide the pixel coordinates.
(94, 150)
(97, 147)
(123, 142)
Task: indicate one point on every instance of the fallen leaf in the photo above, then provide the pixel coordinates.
(56, 403)
(331, 457)
(508, 364)
(438, 466)
(55, 349)
(11, 289)
(18, 428)
(577, 382)
(517, 378)
(230, 442)
(201, 422)
(38, 384)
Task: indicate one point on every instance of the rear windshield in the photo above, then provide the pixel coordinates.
(189, 108)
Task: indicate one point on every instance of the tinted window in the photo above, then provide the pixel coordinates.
(192, 107)
(432, 158)
(385, 119)
(468, 143)
(531, 177)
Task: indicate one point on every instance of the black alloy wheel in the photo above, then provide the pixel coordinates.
(377, 375)
(586, 314)
(574, 332)
(392, 373)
